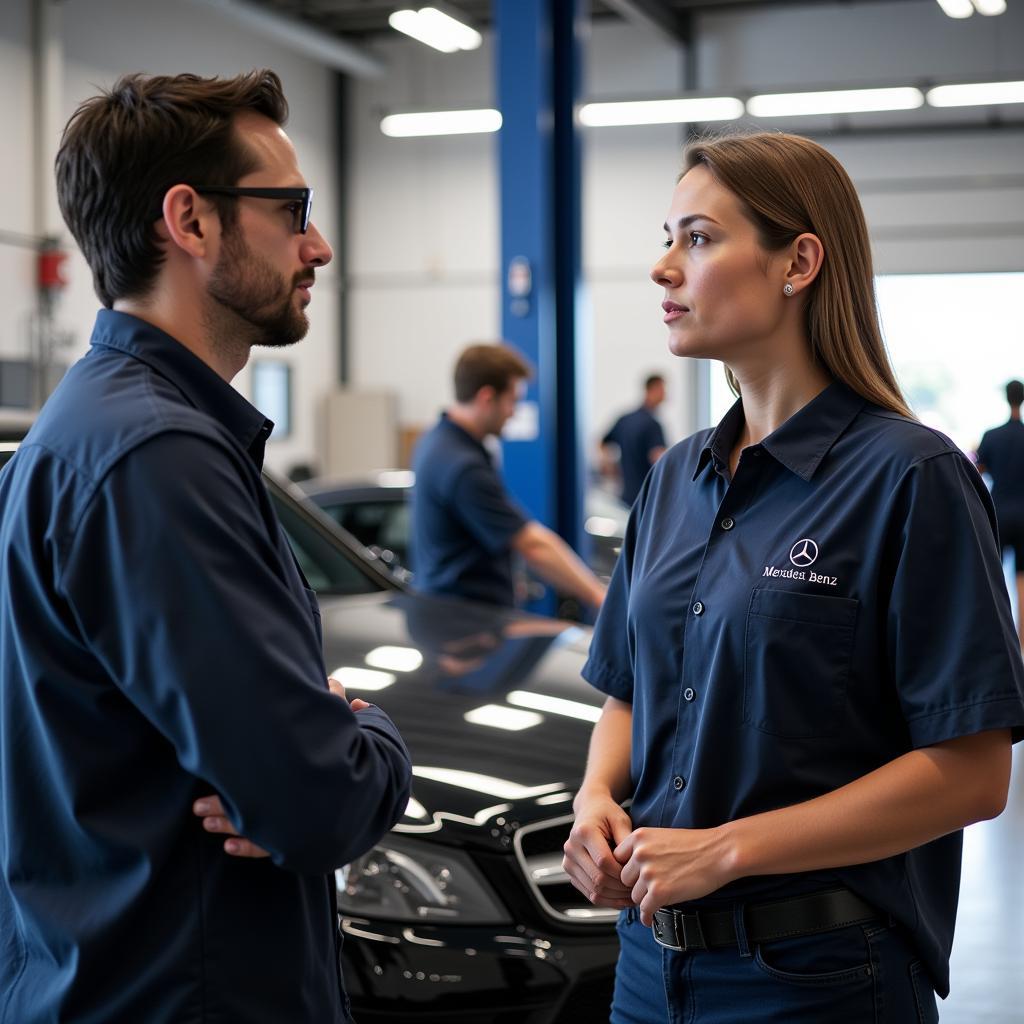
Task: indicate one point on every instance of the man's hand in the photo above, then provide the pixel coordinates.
(600, 825)
(336, 687)
(211, 810)
(662, 866)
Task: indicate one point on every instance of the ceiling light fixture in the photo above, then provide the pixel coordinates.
(363, 678)
(990, 8)
(682, 111)
(840, 101)
(441, 122)
(956, 8)
(977, 94)
(498, 717)
(435, 28)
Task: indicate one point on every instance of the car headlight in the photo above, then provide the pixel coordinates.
(410, 880)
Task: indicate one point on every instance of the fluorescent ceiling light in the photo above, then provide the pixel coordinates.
(436, 29)
(363, 678)
(957, 8)
(841, 101)
(498, 717)
(397, 659)
(503, 789)
(683, 111)
(978, 94)
(441, 122)
(555, 705)
(990, 7)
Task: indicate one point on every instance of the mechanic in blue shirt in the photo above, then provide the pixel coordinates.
(639, 438)
(812, 676)
(1001, 456)
(161, 673)
(465, 526)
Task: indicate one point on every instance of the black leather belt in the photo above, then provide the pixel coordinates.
(802, 915)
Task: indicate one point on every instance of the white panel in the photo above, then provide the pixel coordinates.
(361, 433)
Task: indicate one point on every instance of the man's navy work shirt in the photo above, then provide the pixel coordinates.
(836, 605)
(636, 434)
(463, 519)
(1001, 452)
(157, 644)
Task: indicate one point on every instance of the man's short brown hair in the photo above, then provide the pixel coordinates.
(481, 366)
(122, 150)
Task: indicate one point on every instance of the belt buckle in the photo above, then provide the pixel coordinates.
(665, 926)
(670, 924)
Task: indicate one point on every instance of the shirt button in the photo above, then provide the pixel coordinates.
(728, 523)
(698, 609)
(689, 693)
(678, 783)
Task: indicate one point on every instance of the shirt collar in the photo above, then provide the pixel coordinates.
(198, 383)
(802, 442)
(462, 432)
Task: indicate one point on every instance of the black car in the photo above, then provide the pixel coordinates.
(462, 913)
(374, 508)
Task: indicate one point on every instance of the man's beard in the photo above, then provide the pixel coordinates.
(247, 286)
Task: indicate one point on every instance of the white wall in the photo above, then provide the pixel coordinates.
(103, 39)
(422, 215)
(424, 239)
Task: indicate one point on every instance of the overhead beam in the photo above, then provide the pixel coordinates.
(652, 14)
(310, 42)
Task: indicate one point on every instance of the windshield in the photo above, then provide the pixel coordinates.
(329, 566)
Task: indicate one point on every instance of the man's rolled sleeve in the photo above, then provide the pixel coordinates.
(179, 587)
(952, 646)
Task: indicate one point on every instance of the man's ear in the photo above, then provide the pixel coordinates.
(189, 221)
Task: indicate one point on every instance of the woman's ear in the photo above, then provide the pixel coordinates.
(805, 259)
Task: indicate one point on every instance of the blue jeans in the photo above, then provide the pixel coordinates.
(864, 974)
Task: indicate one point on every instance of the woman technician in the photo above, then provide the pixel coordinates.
(812, 674)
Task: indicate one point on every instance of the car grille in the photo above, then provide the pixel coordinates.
(539, 850)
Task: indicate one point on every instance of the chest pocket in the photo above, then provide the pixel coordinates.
(796, 664)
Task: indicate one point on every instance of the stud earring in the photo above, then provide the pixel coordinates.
(787, 289)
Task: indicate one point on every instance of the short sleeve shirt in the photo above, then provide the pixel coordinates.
(836, 604)
(463, 519)
(636, 435)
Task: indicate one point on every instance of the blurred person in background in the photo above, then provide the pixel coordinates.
(812, 676)
(466, 528)
(1001, 456)
(635, 442)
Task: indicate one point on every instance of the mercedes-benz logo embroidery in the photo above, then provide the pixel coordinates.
(803, 553)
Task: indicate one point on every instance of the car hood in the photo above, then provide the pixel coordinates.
(446, 669)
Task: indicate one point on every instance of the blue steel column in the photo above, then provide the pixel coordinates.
(539, 71)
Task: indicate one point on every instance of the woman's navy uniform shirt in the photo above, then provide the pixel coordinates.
(157, 644)
(840, 603)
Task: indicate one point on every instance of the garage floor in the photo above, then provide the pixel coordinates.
(988, 951)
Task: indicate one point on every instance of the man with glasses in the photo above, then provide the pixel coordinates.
(179, 781)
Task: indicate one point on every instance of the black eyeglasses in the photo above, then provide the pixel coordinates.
(300, 195)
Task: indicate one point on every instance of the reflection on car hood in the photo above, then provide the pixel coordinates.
(451, 674)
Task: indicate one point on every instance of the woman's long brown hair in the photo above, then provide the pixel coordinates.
(789, 185)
